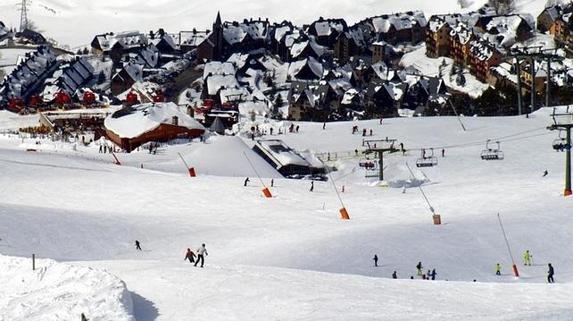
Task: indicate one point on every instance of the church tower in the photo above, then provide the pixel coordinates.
(218, 38)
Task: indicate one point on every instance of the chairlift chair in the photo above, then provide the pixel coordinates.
(427, 161)
(560, 144)
(492, 153)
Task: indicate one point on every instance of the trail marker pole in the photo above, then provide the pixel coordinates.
(33, 262)
(343, 212)
(266, 192)
(191, 170)
(437, 218)
(117, 162)
(515, 272)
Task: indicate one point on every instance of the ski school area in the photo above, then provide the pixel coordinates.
(459, 202)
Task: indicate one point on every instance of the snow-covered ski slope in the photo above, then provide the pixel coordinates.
(291, 257)
(94, 17)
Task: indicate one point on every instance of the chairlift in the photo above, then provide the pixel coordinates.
(427, 161)
(368, 164)
(492, 153)
(560, 144)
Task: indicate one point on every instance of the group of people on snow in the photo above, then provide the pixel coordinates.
(190, 255)
(201, 253)
(431, 274)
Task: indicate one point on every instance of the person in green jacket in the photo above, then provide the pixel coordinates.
(527, 258)
(498, 269)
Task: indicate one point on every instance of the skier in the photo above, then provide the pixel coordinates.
(371, 132)
(375, 260)
(419, 268)
(271, 130)
(324, 126)
(272, 182)
(363, 132)
(429, 274)
(498, 269)
(297, 128)
(550, 274)
(312, 186)
(247, 180)
(545, 173)
(190, 256)
(394, 275)
(84, 317)
(381, 119)
(433, 274)
(527, 258)
(201, 253)
(137, 245)
(100, 149)
(443, 153)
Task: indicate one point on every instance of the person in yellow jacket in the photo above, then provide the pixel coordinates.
(527, 258)
(498, 269)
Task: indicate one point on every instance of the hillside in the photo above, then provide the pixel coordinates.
(291, 257)
(176, 15)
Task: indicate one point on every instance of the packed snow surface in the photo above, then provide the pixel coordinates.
(291, 257)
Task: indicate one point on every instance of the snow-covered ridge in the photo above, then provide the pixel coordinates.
(57, 291)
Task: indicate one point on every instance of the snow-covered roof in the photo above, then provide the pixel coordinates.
(236, 32)
(349, 96)
(128, 39)
(283, 154)
(399, 21)
(134, 70)
(148, 56)
(299, 47)
(30, 70)
(218, 68)
(166, 38)
(68, 78)
(315, 66)
(218, 82)
(395, 91)
(228, 94)
(461, 32)
(191, 38)
(136, 120)
(481, 50)
(281, 31)
(502, 31)
(327, 27)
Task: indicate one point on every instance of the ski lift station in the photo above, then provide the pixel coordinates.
(288, 162)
